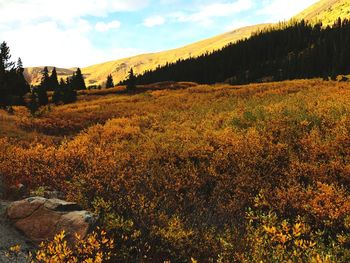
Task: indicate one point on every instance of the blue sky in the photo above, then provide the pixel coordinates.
(68, 33)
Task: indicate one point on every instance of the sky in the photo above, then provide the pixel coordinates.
(78, 33)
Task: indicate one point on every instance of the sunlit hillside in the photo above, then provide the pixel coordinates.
(182, 172)
(33, 75)
(119, 68)
(97, 74)
(326, 11)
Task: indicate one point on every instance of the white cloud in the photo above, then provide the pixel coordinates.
(279, 10)
(207, 12)
(56, 33)
(154, 21)
(103, 27)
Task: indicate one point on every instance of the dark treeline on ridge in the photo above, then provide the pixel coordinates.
(287, 51)
(13, 85)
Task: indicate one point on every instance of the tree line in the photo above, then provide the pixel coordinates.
(288, 51)
(13, 85)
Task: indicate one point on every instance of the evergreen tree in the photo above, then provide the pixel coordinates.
(131, 81)
(68, 91)
(20, 85)
(33, 103)
(78, 81)
(5, 56)
(109, 82)
(57, 96)
(13, 85)
(43, 87)
(53, 80)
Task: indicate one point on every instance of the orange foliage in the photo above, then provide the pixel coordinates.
(182, 166)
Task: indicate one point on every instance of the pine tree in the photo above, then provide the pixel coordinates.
(5, 56)
(20, 84)
(43, 87)
(33, 103)
(131, 81)
(5, 66)
(109, 82)
(68, 91)
(57, 96)
(78, 81)
(53, 80)
(13, 85)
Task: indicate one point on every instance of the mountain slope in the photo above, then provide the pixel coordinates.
(33, 75)
(326, 11)
(97, 74)
(119, 68)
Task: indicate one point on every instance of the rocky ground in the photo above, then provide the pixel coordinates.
(10, 237)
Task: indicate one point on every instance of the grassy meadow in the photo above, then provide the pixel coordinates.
(196, 173)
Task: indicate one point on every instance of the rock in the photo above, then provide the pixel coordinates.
(40, 218)
(9, 237)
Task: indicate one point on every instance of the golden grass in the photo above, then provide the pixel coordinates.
(326, 11)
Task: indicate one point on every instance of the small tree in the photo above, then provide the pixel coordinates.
(57, 96)
(78, 81)
(21, 86)
(43, 87)
(53, 80)
(69, 94)
(109, 82)
(131, 82)
(33, 103)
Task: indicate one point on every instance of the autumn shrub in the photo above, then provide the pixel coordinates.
(95, 248)
(173, 172)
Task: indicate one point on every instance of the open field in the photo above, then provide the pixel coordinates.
(250, 173)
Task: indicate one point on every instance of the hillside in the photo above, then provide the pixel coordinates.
(288, 51)
(119, 68)
(33, 75)
(97, 74)
(326, 11)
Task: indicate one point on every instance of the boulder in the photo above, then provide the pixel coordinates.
(40, 219)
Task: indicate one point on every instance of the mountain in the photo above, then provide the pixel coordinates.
(326, 11)
(33, 74)
(97, 74)
(119, 68)
(290, 50)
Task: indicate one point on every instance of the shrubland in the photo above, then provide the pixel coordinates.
(255, 173)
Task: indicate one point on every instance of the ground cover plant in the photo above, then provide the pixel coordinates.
(254, 173)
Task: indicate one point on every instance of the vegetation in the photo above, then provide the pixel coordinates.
(13, 86)
(96, 248)
(109, 82)
(203, 173)
(287, 51)
(131, 81)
